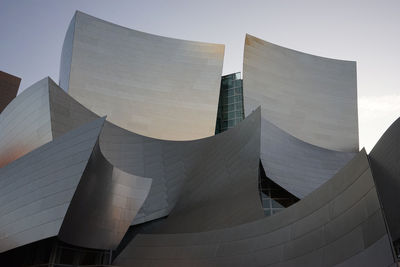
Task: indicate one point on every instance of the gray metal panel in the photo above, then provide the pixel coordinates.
(36, 189)
(104, 205)
(156, 86)
(384, 159)
(221, 188)
(228, 163)
(66, 55)
(25, 123)
(297, 236)
(297, 166)
(310, 97)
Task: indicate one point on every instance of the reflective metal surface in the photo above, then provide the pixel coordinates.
(36, 189)
(104, 205)
(25, 123)
(295, 165)
(182, 170)
(340, 223)
(310, 97)
(155, 86)
(384, 159)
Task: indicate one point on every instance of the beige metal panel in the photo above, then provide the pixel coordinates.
(155, 86)
(310, 97)
(339, 223)
(25, 123)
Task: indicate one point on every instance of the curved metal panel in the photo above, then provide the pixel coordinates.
(104, 205)
(295, 165)
(36, 189)
(221, 188)
(25, 123)
(227, 162)
(310, 97)
(155, 86)
(384, 159)
(335, 224)
(9, 85)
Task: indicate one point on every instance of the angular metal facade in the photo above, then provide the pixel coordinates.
(155, 86)
(71, 178)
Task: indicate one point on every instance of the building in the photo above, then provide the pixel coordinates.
(143, 155)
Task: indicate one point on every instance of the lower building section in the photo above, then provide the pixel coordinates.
(52, 252)
(341, 223)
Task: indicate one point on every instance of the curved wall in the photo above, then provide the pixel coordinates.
(340, 223)
(384, 160)
(297, 166)
(155, 86)
(25, 122)
(310, 97)
(104, 205)
(37, 188)
(182, 172)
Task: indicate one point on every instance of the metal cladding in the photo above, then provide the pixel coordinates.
(9, 85)
(340, 223)
(93, 188)
(25, 123)
(310, 97)
(309, 126)
(297, 166)
(384, 160)
(37, 188)
(107, 199)
(182, 170)
(155, 86)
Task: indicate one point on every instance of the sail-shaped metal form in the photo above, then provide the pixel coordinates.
(151, 85)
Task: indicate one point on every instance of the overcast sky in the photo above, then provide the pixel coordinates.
(32, 33)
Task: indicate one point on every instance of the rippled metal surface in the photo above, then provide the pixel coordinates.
(152, 85)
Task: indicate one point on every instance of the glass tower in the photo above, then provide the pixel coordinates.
(230, 105)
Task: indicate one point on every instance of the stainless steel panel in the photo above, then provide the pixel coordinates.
(104, 205)
(152, 85)
(37, 188)
(227, 162)
(300, 237)
(295, 165)
(310, 97)
(25, 123)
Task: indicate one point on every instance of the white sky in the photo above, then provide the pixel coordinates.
(32, 33)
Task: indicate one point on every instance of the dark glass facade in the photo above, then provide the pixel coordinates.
(230, 105)
(273, 197)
